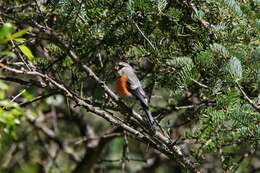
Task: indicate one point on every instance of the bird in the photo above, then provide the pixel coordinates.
(128, 84)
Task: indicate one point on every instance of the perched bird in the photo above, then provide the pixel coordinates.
(128, 84)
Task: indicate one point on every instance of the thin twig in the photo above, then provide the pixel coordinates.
(251, 102)
(85, 139)
(41, 97)
(200, 84)
(142, 33)
(23, 82)
(18, 95)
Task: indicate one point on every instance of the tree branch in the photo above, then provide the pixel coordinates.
(159, 141)
(23, 82)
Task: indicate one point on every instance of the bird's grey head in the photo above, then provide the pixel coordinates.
(121, 66)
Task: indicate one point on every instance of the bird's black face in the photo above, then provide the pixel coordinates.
(118, 67)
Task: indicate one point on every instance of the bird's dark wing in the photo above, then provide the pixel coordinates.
(140, 95)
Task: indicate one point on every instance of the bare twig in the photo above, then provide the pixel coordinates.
(23, 82)
(200, 84)
(251, 102)
(18, 95)
(142, 33)
(97, 138)
(41, 97)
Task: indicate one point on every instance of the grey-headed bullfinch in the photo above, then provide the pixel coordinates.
(128, 84)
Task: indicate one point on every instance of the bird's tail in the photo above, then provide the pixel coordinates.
(148, 119)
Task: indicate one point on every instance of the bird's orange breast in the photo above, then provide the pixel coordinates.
(122, 86)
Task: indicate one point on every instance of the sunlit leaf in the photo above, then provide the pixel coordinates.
(27, 95)
(19, 40)
(19, 33)
(5, 31)
(26, 51)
